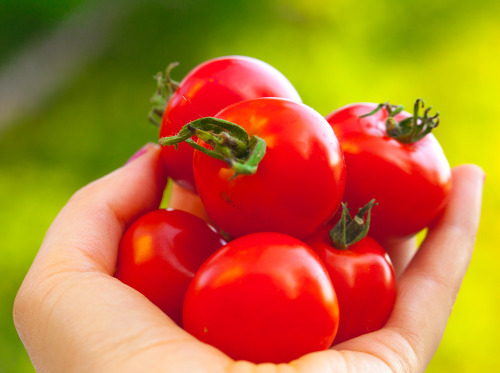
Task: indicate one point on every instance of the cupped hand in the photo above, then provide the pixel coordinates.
(74, 316)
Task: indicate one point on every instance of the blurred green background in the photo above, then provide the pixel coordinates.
(76, 78)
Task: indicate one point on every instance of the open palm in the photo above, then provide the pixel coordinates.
(73, 316)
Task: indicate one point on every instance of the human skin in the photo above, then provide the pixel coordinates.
(74, 316)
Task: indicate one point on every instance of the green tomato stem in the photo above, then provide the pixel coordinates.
(229, 142)
(350, 230)
(165, 88)
(411, 129)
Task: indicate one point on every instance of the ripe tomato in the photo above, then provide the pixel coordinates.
(362, 275)
(298, 184)
(410, 180)
(206, 90)
(159, 254)
(265, 297)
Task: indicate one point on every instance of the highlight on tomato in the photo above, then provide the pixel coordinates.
(360, 270)
(392, 156)
(204, 91)
(160, 253)
(264, 297)
(267, 164)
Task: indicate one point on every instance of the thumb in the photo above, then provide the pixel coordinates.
(87, 231)
(73, 316)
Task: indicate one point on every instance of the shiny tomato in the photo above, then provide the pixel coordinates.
(410, 180)
(265, 297)
(206, 90)
(298, 184)
(362, 275)
(160, 253)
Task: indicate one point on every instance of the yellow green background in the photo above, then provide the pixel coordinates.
(334, 52)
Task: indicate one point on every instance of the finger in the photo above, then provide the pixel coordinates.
(401, 252)
(72, 315)
(429, 285)
(86, 232)
(183, 199)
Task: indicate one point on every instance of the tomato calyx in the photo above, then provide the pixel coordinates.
(350, 230)
(411, 129)
(229, 142)
(165, 88)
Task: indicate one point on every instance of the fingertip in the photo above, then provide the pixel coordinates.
(138, 153)
(466, 194)
(186, 200)
(401, 252)
(147, 161)
(143, 177)
(147, 148)
(469, 171)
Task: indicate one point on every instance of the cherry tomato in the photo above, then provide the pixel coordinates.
(363, 277)
(299, 182)
(409, 180)
(265, 297)
(160, 253)
(206, 90)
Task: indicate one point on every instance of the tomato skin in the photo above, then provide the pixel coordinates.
(364, 280)
(265, 297)
(160, 253)
(207, 89)
(299, 183)
(410, 182)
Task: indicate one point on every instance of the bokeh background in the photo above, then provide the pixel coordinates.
(76, 77)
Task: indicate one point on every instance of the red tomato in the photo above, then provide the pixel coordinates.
(410, 181)
(159, 254)
(265, 297)
(364, 281)
(206, 90)
(298, 184)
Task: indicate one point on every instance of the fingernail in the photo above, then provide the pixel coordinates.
(138, 153)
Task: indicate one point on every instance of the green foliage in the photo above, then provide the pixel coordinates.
(333, 52)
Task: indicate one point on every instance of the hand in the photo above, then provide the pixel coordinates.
(74, 316)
